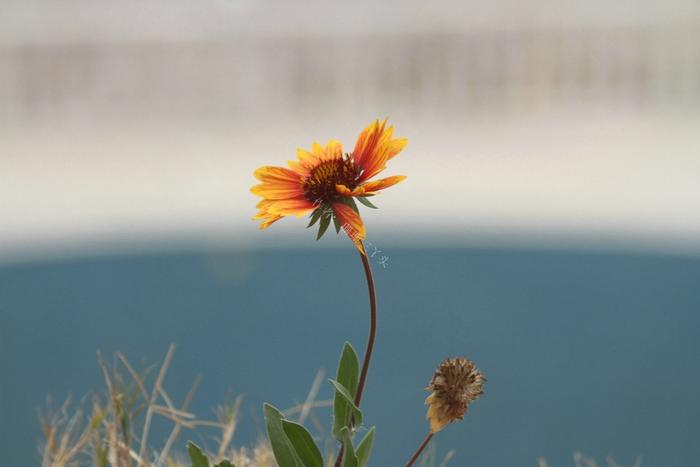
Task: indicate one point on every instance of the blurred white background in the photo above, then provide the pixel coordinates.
(548, 122)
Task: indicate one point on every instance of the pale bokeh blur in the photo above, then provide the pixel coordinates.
(550, 122)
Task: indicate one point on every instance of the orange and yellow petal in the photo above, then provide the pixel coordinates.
(342, 190)
(273, 174)
(367, 142)
(278, 191)
(374, 147)
(290, 207)
(264, 204)
(382, 183)
(396, 146)
(332, 150)
(376, 161)
(266, 217)
(352, 223)
(282, 194)
(304, 163)
(307, 160)
(369, 188)
(269, 221)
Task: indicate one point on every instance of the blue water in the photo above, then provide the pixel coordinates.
(591, 352)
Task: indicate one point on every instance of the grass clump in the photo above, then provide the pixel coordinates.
(115, 431)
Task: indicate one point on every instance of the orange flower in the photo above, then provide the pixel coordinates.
(324, 183)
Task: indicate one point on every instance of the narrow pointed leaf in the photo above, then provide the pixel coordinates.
(366, 202)
(347, 375)
(349, 456)
(197, 457)
(303, 444)
(364, 449)
(281, 447)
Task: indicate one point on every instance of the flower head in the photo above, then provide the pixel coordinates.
(324, 182)
(456, 383)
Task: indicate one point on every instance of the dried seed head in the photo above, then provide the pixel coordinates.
(456, 383)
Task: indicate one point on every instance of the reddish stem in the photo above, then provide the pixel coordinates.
(370, 339)
(420, 449)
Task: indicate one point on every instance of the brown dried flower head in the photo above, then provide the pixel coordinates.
(456, 383)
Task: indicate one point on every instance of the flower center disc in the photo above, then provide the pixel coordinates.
(319, 186)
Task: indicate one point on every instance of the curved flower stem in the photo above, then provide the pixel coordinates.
(370, 339)
(420, 449)
(372, 326)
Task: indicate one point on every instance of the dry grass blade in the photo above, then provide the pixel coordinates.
(167, 413)
(295, 409)
(177, 428)
(311, 396)
(65, 440)
(106, 438)
(173, 413)
(150, 402)
(448, 457)
(228, 417)
(318, 426)
(136, 377)
(116, 456)
(428, 457)
(582, 461)
(610, 460)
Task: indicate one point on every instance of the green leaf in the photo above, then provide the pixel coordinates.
(366, 202)
(347, 375)
(349, 456)
(281, 447)
(355, 413)
(325, 222)
(224, 464)
(365, 447)
(315, 216)
(303, 444)
(196, 455)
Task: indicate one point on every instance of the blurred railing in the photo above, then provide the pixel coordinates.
(480, 71)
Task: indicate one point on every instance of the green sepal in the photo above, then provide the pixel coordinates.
(325, 222)
(351, 202)
(366, 202)
(303, 444)
(315, 216)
